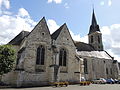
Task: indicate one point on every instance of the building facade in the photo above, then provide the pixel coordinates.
(43, 58)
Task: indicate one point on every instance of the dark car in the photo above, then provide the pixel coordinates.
(110, 81)
(116, 81)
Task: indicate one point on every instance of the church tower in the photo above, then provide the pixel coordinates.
(95, 36)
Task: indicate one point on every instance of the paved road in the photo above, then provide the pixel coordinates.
(72, 87)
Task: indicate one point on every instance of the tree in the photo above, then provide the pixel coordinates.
(7, 58)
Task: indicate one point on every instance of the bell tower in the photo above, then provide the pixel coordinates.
(95, 35)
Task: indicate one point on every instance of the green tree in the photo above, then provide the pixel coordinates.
(7, 58)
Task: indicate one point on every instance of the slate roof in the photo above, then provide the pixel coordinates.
(94, 22)
(94, 26)
(83, 46)
(57, 32)
(97, 54)
(18, 39)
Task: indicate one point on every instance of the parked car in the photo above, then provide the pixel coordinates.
(110, 81)
(99, 81)
(116, 81)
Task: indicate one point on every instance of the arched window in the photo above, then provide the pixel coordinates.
(91, 39)
(98, 39)
(62, 57)
(106, 70)
(40, 55)
(85, 66)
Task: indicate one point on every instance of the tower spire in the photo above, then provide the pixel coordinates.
(94, 26)
(95, 36)
(94, 22)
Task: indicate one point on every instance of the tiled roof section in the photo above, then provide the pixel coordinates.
(57, 32)
(18, 39)
(83, 46)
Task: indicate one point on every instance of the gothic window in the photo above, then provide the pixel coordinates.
(62, 57)
(106, 70)
(98, 39)
(91, 39)
(85, 66)
(111, 70)
(40, 55)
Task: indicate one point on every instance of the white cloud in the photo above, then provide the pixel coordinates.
(102, 3)
(109, 2)
(66, 5)
(52, 25)
(5, 4)
(11, 25)
(111, 39)
(23, 13)
(55, 1)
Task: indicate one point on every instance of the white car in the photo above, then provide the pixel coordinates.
(99, 81)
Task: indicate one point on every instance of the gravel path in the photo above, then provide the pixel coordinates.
(72, 87)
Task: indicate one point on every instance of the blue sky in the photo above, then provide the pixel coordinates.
(18, 15)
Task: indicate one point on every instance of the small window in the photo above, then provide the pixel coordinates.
(104, 61)
(98, 39)
(106, 70)
(111, 70)
(43, 33)
(91, 39)
(62, 57)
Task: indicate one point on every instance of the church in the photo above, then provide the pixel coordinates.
(43, 57)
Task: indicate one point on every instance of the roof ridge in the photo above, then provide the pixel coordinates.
(57, 32)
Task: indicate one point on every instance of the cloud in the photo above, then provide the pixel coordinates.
(11, 25)
(4, 4)
(23, 13)
(109, 2)
(111, 39)
(102, 3)
(66, 5)
(52, 25)
(55, 1)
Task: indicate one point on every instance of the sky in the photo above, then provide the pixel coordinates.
(18, 15)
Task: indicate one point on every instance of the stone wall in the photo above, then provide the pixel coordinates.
(97, 68)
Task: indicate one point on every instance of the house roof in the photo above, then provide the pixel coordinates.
(57, 32)
(97, 54)
(83, 46)
(18, 39)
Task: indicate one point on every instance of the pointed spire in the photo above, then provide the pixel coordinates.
(94, 22)
(94, 26)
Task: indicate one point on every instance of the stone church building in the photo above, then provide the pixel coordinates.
(43, 57)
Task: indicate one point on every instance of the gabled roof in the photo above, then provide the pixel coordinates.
(41, 22)
(57, 32)
(83, 46)
(18, 39)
